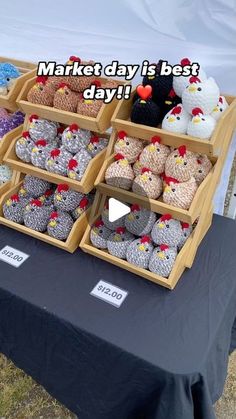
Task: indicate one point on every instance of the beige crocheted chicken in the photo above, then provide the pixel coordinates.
(181, 164)
(130, 147)
(65, 99)
(147, 184)
(154, 156)
(120, 173)
(203, 168)
(41, 92)
(179, 194)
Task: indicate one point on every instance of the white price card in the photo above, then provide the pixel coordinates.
(109, 293)
(13, 256)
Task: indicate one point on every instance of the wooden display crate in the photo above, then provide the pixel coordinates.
(7, 139)
(181, 261)
(99, 124)
(73, 240)
(121, 121)
(85, 185)
(157, 205)
(27, 71)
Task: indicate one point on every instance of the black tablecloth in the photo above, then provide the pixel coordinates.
(162, 355)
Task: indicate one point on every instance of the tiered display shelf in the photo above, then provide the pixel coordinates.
(212, 147)
(27, 70)
(99, 124)
(7, 139)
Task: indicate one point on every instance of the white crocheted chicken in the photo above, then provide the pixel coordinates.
(181, 82)
(218, 110)
(201, 94)
(176, 120)
(201, 126)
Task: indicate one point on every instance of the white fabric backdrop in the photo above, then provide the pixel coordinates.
(129, 31)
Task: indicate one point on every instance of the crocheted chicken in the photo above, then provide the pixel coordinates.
(76, 167)
(162, 260)
(13, 209)
(147, 184)
(112, 225)
(60, 225)
(176, 120)
(154, 156)
(140, 220)
(90, 107)
(36, 215)
(99, 235)
(181, 164)
(146, 112)
(201, 94)
(47, 198)
(161, 85)
(24, 147)
(57, 161)
(118, 242)
(65, 99)
(40, 153)
(42, 128)
(75, 139)
(35, 186)
(219, 109)
(181, 82)
(41, 93)
(96, 145)
(129, 147)
(179, 194)
(204, 166)
(66, 199)
(167, 230)
(139, 252)
(201, 126)
(120, 173)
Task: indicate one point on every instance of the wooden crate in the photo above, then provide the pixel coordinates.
(121, 121)
(73, 240)
(99, 124)
(27, 71)
(157, 205)
(7, 139)
(85, 185)
(181, 261)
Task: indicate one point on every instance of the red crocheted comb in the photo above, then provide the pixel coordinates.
(185, 61)
(164, 247)
(42, 142)
(54, 215)
(49, 192)
(60, 130)
(182, 150)
(221, 99)
(97, 83)
(94, 139)
(63, 187)
(121, 135)
(169, 179)
(99, 223)
(36, 202)
(120, 230)
(119, 156)
(135, 207)
(197, 111)
(74, 59)
(32, 117)
(55, 152)
(72, 164)
(176, 110)
(25, 134)
(166, 217)
(84, 202)
(41, 79)
(184, 225)
(172, 94)
(15, 198)
(155, 139)
(145, 169)
(194, 79)
(145, 239)
(73, 127)
(63, 85)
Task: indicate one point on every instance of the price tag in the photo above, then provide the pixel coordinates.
(13, 256)
(109, 293)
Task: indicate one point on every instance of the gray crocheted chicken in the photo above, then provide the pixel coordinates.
(82, 207)
(167, 230)
(24, 147)
(66, 199)
(140, 220)
(139, 252)
(112, 225)
(35, 186)
(24, 196)
(13, 209)
(47, 198)
(75, 139)
(99, 235)
(186, 231)
(58, 160)
(162, 260)
(41, 128)
(77, 166)
(36, 215)
(96, 145)
(60, 225)
(118, 242)
(39, 153)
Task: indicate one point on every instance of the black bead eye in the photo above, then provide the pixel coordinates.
(41, 88)
(167, 226)
(66, 92)
(74, 136)
(173, 190)
(13, 205)
(78, 171)
(32, 209)
(95, 147)
(127, 142)
(123, 239)
(56, 162)
(40, 151)
(200, 171)
(203, 119)
(167, 257)
(199, 89)
(150, 179)
(100, 231)
(137, 217)
(137, 244)
(158, 150)
(8, 79)
(64, 198)
(185, 163)
(175, 156)
(178, 118)
(146, 250)
(221, 110)
(28, 141)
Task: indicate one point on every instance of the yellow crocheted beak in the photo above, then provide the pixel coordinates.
(68, 135)
(161, 225)
(27, 208)
(117, 237)
(95, 231)
(61, 90)
(144, 177)
(36, 86)
(50, 162)
(124, 162)
(42, 199)
(167, 189)
(216, 109)
(168, 102)
(196, 120)
(192, 88)
(8, 203)
(141, 247)
(88, 101)
(34, 150)
(22, 141)
(171, 119)
(32, 125)
(90, 146)
(71, 174)
(130, 217)
(22, 191)
(161, 255)
(121, 143)
(179, 160)
(152, 148)
(53, 223)
(151, 77)
(79, 211)
(58, 197)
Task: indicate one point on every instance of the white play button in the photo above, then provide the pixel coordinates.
(117, 209)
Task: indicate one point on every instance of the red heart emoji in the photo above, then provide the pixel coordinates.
(144, 91)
